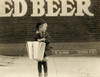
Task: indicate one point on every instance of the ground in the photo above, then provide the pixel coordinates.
(22, 66)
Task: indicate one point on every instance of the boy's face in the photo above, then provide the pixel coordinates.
(43, 27)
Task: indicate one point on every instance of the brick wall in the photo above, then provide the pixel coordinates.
(61, 29)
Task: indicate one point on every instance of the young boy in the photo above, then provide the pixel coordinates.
(43, 36)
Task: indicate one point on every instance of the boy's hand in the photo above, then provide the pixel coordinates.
(40, 40)
(43, 39)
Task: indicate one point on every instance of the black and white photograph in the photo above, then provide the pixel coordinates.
(49, 38)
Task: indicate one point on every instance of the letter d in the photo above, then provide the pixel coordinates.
(17, 8)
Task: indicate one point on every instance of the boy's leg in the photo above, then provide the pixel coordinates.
(40, 68)
(45, 69)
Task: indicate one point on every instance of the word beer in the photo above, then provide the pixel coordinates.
(49, 8)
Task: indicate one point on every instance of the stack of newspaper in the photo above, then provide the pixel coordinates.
(35, 50)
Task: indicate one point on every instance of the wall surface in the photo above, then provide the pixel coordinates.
(15, 31)
(61, 29)
(68, 49)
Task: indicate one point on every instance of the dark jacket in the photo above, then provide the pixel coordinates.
(48, 50)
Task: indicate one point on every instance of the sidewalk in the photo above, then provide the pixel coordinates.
(14, 66)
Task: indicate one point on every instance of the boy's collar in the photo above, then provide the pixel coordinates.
(37, 32)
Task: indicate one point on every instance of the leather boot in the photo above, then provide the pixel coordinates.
(40, 74)
(45, 74)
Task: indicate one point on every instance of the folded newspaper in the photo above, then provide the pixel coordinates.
(35, 50)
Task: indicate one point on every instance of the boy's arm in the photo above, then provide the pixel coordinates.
(48, 39)
(35, 38)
